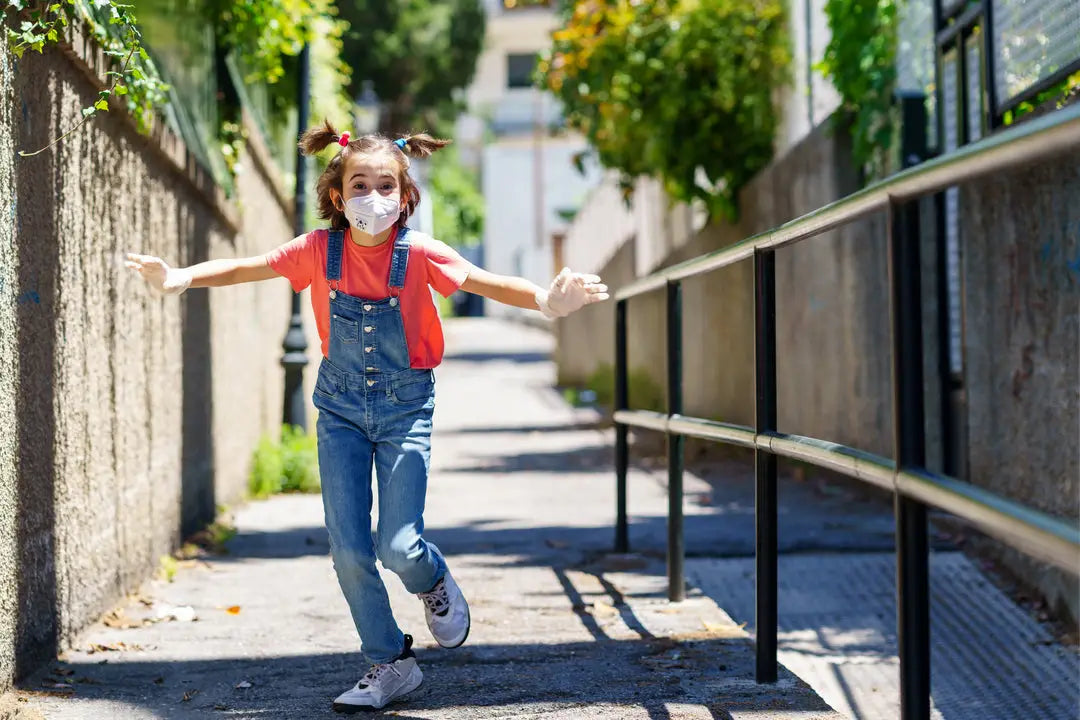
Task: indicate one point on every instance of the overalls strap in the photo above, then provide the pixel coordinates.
(335, 246)
(400, 261)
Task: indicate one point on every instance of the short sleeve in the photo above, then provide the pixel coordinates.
(295, 260)
(446, 269)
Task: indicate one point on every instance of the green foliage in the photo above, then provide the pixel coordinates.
(134, 82)
(266, 34)
(457, 203)
(681, 90)
(416, 53)
(1060, 94)
(860, 60)
(290, 464)
(644, 392)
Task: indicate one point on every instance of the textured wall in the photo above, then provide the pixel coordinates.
(1021, 254)
(832, 313)
(126, 416)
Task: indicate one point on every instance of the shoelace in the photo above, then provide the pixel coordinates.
(437, 601)
(376, 672)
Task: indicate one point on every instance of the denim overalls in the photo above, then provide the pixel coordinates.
(374, 407)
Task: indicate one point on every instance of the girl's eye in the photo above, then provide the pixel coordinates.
(387, 186)
(358, 186)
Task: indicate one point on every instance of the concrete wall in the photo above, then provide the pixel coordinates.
(1021, 248)
(1021, 258)
(126, 416)
(833, 351)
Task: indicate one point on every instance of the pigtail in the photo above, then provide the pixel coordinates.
(422, 145)
(318, 139)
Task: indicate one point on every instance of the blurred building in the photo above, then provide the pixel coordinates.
(514, 136)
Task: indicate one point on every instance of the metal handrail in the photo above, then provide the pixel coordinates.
(1044, 536)
(1031, 141)
(914, 486)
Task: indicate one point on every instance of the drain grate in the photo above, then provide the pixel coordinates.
(989, 659)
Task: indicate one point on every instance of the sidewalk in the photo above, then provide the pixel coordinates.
(521, 502)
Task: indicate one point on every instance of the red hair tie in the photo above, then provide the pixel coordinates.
(344, 139)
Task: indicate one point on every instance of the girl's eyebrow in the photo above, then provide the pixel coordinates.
(363, 174)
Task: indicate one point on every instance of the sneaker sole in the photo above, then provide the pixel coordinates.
(349, 709)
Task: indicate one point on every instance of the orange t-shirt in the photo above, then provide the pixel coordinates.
(365, 273)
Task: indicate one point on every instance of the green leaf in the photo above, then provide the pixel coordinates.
(102, 105)
(88, 111)
(121, 90)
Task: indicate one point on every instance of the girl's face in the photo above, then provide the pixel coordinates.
(365, 174)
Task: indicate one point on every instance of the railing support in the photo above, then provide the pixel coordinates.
(765, 500)
(676, 549)
(912, 547)
(622, 448)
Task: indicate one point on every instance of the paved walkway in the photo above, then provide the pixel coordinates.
(521, 501)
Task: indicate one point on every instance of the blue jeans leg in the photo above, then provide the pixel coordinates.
(345, 460)
(402, 459)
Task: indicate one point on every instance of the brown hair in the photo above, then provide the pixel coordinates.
(318, 139)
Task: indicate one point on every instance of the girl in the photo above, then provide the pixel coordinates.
(375, 392)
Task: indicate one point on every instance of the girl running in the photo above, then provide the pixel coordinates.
(381, 340)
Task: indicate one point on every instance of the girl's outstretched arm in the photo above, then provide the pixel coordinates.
(212, 273)
(569, 291)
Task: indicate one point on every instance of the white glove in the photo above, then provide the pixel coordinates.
(570, 291)
(157, 273)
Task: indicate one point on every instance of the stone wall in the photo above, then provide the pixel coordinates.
(127, 417)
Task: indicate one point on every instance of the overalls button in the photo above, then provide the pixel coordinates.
(393, 302)
(367, 308)
(333, 294)
(370, 368)
(370, 383)
(368, 328)
(367, 349)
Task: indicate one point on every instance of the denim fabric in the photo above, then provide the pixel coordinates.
(374, 410)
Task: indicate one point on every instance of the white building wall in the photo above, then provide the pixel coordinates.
(514, 243)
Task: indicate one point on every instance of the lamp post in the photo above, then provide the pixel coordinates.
(295, 344)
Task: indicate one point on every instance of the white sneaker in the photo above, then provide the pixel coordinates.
(383, 684)
(447, 612)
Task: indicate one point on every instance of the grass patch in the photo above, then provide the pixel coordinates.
(289, 464)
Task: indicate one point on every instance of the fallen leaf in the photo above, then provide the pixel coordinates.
(189, 694)
(243, 685)
(234, 610)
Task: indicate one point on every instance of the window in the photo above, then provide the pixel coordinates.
(519, 69)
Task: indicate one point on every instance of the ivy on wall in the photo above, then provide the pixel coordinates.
(266, 35)
(134, 82)
(681, 90)
(860, 60)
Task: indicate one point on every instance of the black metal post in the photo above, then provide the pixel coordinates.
(989, 68)
(912, 577)
(622, 448)
(295, 344)
(765, 502)
(676, 550)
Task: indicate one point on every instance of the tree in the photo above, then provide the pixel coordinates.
(416, 53)
(681, 90)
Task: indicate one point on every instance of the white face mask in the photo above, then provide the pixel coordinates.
(373, 213)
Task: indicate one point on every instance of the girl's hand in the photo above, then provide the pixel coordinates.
(569, 293)
(157, 274)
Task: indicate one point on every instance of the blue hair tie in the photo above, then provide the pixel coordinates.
(401, 142)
